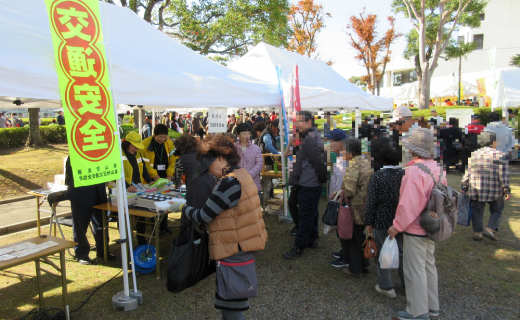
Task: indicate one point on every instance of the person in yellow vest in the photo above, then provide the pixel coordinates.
(236, 226)
(134, 161)
(158, 150)
(134, 166)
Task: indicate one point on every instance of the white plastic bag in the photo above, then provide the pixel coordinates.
(329, 229)
(389, 254)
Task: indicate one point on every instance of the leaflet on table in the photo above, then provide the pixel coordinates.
(24, 249)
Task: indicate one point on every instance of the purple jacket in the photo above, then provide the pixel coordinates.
(251, 161)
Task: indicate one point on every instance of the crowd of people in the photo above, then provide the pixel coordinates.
(387, 185)
(10, 122)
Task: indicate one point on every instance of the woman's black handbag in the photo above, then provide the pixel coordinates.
(330, 217)
(189, 260)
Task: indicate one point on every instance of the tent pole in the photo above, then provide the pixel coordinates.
(122, 299)
(282, 143)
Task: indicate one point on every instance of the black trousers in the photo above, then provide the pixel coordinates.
(356, 260)
(81, 217)
(293, 205)
(308, 200)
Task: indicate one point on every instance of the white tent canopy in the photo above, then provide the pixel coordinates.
(508, 88)
(453, 89)
(149, 68)
(320, 86)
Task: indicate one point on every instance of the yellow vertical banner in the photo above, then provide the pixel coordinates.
(481, 86)
(461, 92)
(83, 78)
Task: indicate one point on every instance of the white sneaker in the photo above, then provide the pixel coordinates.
(387, 293)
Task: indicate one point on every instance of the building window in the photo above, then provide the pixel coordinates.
(478, 40)
(481, 17)
(413, 76)
(398, 79)
(460, 39)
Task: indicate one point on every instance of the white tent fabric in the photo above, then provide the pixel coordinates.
(320, 86)
(453, 89)
(149, 68)
(508, 88)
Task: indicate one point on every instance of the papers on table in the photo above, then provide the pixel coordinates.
(24, 249)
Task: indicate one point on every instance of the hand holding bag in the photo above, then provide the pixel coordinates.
(389, 255)
(370, 248)
(236, 276)
(330, 217)
(345, 219)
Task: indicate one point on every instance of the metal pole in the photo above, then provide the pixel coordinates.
(119, 300)
(460, 75)
(282, 143)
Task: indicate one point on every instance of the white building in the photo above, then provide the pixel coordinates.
(500, 29)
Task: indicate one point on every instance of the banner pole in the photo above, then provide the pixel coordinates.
(123, 215)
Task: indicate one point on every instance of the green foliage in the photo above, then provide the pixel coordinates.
(470, 18)
(172, 134)
(357, 81)
(126, 129)
(45, 121)
(227, 27)
(13, 137)
(515, 61)
(54, 134)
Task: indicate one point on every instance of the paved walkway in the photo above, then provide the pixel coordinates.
(25, 210)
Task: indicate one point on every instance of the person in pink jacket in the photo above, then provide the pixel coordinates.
(420, 272)
(250, 154)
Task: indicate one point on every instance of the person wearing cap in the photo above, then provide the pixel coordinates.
(435, 118)
(233, 212)
(504, 134)
(403, 119)
(250, 154)
(135, 169)
(160, 160)
(420, 272)
(337, 138)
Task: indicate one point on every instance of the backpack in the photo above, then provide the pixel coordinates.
(439, 218)
(20, 123)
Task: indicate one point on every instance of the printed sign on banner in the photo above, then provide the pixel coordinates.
(217, 120)
(481, 86)
(83, 78)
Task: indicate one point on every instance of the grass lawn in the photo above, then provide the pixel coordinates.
(25, 169)
(478, 280)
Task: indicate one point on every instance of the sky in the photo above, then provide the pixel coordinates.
(333, 42)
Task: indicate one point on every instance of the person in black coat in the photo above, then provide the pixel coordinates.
(82, 199)
(451, 138)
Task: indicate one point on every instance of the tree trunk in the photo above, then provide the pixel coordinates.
(424, 98)
(136, 117)
(35, 137)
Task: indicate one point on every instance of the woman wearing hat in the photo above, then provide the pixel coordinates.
(135, 170)
(420, 272)
(236, 226)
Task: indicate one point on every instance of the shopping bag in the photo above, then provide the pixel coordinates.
(345, 219)
(464, 210)
(330, 217)
(189, 261)
(236, 276)
(389, 254)
(369, 248)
